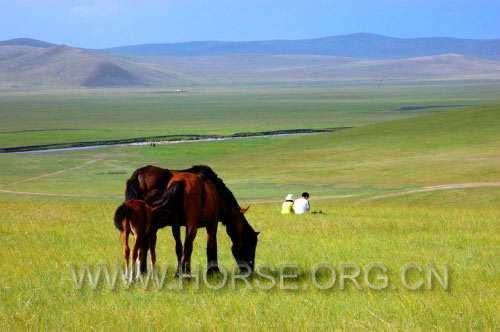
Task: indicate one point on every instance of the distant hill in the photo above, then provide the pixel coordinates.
(360, 45)
(63, 66)
(309, 68)
(26, 42)
(32, 63)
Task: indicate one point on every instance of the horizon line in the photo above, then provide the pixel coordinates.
(250, 41)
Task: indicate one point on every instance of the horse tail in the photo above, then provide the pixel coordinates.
(122, 212)
(172, 197)
(169, 207)
(133, 187)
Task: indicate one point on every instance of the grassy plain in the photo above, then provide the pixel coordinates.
(57, 210)
(30, 118)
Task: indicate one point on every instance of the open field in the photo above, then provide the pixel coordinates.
(37, 290)
(376, 159)
(57, 210)
(87, 115)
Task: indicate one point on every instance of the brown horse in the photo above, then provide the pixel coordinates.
(138, 218)
(195, 198)
(135, 217)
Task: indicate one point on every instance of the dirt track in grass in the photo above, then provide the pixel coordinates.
(450, 186)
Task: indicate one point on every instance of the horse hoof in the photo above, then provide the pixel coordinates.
(211, 270)
(245, 272)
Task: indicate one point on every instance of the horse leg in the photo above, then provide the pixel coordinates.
(188, 249)
(212, 262)
(176, 232)
(126, 250)
(152, 247)
(143, 255)
(135, 256)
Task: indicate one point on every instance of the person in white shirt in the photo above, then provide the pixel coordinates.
(301, 205)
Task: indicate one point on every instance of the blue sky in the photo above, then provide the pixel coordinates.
(105, 23)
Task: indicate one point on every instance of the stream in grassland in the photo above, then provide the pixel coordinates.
(162, 140)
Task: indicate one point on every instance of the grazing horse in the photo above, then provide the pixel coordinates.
(195, 198)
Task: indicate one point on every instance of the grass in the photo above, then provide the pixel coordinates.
(392, 156)
(33, 118)
(41, 235)
(38, 291)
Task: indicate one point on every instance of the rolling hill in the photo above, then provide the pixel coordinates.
(63, 66)
(32, 63)
(26, 42)
(307, 68)
(359, 45)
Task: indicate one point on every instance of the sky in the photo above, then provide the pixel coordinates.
(107, 23)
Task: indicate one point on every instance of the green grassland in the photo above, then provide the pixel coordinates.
(33, 118)
(379, 158)
(57, 210)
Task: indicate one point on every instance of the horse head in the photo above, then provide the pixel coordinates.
(244, 248)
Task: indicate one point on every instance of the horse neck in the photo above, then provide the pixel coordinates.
(237, 226)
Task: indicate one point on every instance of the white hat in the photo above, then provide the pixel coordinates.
(289, 197)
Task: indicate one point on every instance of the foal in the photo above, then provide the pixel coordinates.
(136, 217)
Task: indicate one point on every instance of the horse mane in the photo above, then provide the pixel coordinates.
(231, 208)
(226, 194)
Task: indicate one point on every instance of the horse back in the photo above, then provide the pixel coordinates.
(146, 182)
(193, 184)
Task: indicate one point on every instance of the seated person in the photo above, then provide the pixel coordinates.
(286, 207)
(301, 205)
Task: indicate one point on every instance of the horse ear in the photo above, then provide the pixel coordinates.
(257, 233)
(244, 210)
